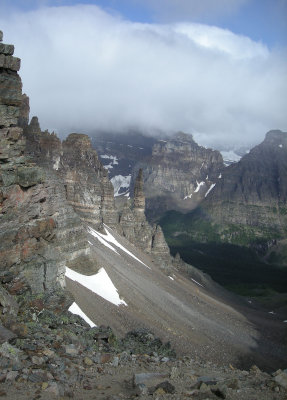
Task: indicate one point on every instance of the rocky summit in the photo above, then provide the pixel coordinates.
(71, 262)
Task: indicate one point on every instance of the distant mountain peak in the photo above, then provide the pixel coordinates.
(276, 137)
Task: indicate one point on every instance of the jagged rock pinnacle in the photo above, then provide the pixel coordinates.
(139, 198)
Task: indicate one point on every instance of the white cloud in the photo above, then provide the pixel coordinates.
(85, 69)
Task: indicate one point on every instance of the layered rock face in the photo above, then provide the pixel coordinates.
(248, 204)
(88, 189)
(139, 197)
(39, 232)
(178, 174)
(253, 192)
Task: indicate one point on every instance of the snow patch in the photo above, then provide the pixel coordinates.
(220, 176)
(197, 282)
(113, 158)
(98, 236)
(210, 189)
(170, 277)
(198, 186)
(75, 309)
(121, 182)
(271, 312)
(280, 145)
(230, 157)
(109, 166)
(99, 283)
(114, 161)
(188, 196)
(105, 156)
(56, 164)
(108, 238)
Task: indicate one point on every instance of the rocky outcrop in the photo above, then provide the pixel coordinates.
(138, 231)
(87, 184)
(159, 246)
(88, 189)
(24, 111)
(139, 197)
(43, 148)
(178, 174)
(39, 232)
(61, 363)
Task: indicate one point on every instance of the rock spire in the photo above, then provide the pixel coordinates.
(139, 197)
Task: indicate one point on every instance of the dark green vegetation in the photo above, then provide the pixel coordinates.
(237, 267)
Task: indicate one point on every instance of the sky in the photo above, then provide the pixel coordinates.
(213, 68)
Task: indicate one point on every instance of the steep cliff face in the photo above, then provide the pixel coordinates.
(178, 174)
(88, 189)
(39, 232)
(247, 206)
(251, 195)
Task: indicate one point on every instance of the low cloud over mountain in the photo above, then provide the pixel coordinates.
(86, 69)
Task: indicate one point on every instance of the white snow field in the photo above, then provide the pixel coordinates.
(121, 182)
(99, 283)
(109, 238)
(75, 309)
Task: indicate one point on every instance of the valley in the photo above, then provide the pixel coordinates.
(231, 226)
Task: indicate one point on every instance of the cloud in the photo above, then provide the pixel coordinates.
(85, 69)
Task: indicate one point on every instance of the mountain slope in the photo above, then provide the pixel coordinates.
(197, 316)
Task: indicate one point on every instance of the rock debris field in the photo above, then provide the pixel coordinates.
(58, 356)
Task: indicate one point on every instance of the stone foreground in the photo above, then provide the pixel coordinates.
(60, 357)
